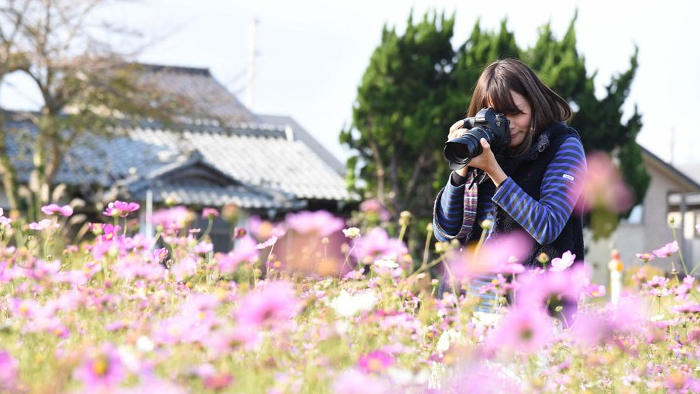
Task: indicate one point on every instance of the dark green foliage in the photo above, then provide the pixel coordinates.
(399, 116)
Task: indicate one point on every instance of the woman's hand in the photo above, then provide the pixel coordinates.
(486, 161)
(456, 130)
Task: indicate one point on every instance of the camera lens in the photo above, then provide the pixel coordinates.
(459, 151)
(462, 149)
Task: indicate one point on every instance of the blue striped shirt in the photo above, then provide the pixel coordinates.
(543, 220)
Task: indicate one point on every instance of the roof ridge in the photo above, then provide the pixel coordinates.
(178, 69)
(212, 125)
(671, 168)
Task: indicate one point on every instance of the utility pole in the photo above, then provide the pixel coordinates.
(252, 54)
(673, 145)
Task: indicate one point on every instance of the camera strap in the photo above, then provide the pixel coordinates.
(478, 176)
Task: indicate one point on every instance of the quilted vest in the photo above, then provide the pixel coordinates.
(527, 170)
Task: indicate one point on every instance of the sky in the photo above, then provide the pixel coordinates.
(311, 54)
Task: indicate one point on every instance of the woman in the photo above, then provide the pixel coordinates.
(534, 186)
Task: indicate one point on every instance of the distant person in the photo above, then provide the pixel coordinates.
(532, 186)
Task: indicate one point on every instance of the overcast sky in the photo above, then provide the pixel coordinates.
(311, 54)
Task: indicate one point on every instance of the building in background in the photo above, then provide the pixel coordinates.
(225, 156)
(673, 196)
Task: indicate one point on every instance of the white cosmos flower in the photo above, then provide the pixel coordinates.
(386, 263)
(347, 304)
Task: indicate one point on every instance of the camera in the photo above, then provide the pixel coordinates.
(488, 124)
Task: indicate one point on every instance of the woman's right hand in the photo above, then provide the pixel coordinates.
(456, 130)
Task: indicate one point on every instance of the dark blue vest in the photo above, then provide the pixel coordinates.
(527, 170)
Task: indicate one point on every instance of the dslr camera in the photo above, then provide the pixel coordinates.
(488, 124)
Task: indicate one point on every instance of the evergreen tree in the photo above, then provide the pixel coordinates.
(400, 113)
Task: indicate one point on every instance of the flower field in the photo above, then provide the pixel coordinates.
(315, 304)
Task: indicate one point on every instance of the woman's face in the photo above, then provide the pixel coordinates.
(519, 122)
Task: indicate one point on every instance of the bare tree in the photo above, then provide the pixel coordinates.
(86, 86)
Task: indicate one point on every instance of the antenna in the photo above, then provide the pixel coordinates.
(251, 63)
(673, 145)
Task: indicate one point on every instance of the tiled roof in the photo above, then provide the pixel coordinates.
(206, 94)
(195, 182)
(268, 160)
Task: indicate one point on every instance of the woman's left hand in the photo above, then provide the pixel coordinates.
(486, 161)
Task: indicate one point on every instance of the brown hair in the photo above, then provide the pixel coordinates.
(494, 89)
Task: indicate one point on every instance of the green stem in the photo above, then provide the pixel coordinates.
(208, 229)
(426, 249)
(680, 254)
(402, 232)
(347, 259)
(427, 266)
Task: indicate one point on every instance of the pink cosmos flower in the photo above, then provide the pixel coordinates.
(502, 255)
(5, 222)
(566, 260)
(352, 381)
(505, 250)
(44, 269)
(593, 327)
(378, 245)
(43, 225)
(269, 306)
(552, 291)
(120, 208)
(263, 229)
(246, 249)
(74, 277)
(322, 223)
(210, 213)
(101, 368)
(51, 209)
(594, 290)
(375, 210)
(151, 385)
(604, 185)
(105, 232)
(657, 286)
(522, 330)
(213, 379)
(645, 257)
(173, 218)
(375, 361)
(239, 232)
(483, 378)
(183, 268)
(9, 372)
(171, 330)
(666, 250)
(601, 326)
(498, 285)
(681, 383)
(684, 288)
(687, 308)
(267, 244)
(131, 268)
(203, 247)
(230, 339)
(159, 255)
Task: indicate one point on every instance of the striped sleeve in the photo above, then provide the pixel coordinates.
(560, 189)
(450, 218)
